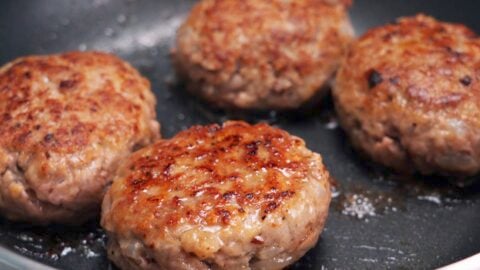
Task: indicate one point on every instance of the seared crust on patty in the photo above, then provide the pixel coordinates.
(408, 94)
(215, 197)
(67, 120)
(262, 54)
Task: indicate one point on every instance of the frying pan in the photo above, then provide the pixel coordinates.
(377, 220)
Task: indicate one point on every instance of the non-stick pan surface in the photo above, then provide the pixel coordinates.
(376, 221)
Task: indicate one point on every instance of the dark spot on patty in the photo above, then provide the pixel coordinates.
(395, 80)
(270, 207)
(287, 193)
(228, 195)
(48, 138)
(19, 168)
(6, 117)
(137, 181)
(374, 78)
(466, 81)
(67, 84)
(225, 216)
(252, 148)
(453, 52)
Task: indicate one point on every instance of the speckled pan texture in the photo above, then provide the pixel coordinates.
(377, 220)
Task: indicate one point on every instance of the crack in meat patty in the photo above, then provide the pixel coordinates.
(217, 197)
(67, 121)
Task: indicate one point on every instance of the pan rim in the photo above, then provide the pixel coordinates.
(10, 260)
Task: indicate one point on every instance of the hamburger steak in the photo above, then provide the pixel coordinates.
(217, 197)
(408, 95)
(262, 54)
(67, 120)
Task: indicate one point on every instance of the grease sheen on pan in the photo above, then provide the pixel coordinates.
(408, 94)
(66, 122)
(217, 197)
(262, 54)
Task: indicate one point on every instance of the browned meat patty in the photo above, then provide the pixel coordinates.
(408, 94)
(262, 54)
(217, 197)
(67, 120)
